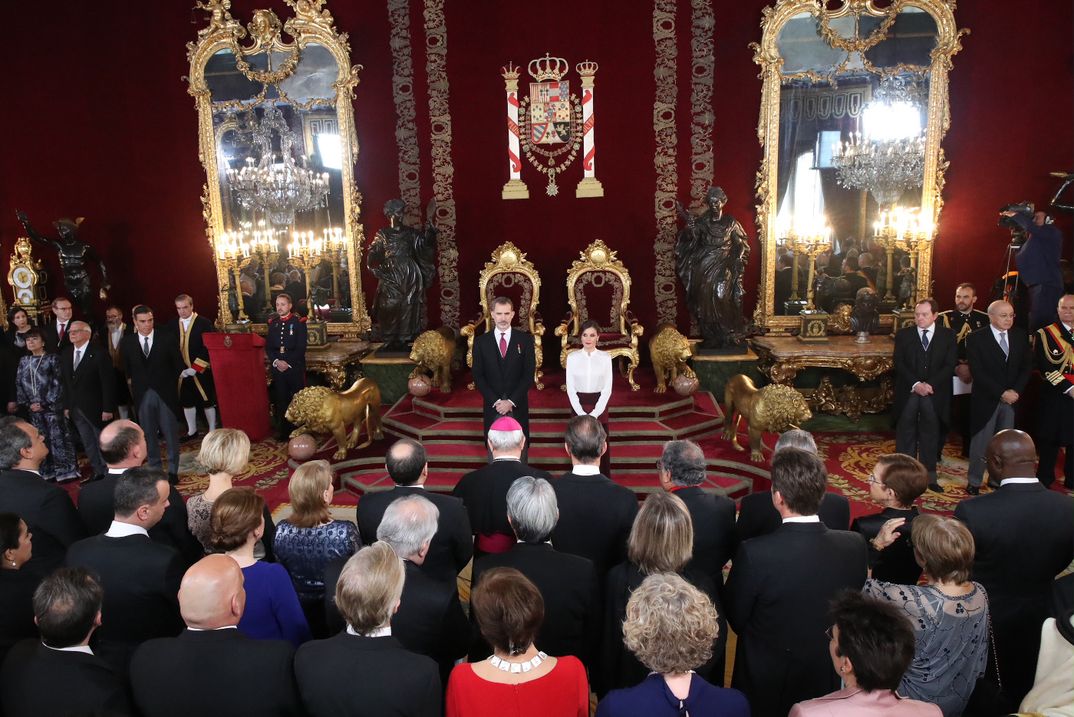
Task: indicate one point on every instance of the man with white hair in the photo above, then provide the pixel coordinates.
(213, 655)
(568, 583)
(89, 383)
(484, 491)
(430, 620)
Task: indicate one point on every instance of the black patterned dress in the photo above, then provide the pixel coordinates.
(38, 381)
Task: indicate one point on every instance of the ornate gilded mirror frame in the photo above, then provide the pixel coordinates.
(311, 24)
(767, 55)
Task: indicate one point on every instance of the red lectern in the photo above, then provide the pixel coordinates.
(238, 362)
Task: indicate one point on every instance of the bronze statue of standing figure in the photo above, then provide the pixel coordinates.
(710, 258)
(404, 261)
(74, 255)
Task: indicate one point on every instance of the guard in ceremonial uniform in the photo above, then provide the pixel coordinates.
(286, 349)
(1055, 424)
(196, 387)
(963, 319)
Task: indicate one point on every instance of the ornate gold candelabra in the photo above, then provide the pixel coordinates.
(334, 246)
(264, 244)
(904, 229)
(305, 251)
(810, 239)
(234, 254)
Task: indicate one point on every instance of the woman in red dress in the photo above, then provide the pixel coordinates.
(517, 680)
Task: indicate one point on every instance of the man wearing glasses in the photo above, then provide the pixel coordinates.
(89, 383)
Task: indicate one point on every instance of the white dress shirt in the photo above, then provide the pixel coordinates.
(589, 373)
(802, 519)
(506, 337)
(141, 341)
(124, 530)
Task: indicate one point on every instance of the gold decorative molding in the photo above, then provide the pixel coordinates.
(768, 58)
(664, 74)
(311, 23)
(406, 131)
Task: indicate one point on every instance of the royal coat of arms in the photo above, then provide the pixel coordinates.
(549, 125)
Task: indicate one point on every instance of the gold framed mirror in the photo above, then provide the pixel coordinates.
(854, 107)
(278, 143)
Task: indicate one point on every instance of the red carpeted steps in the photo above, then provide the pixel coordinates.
(450, 428)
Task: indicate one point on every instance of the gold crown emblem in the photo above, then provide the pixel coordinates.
(548, 68)
(586, 69)
(509, 71)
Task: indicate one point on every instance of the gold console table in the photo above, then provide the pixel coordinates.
(333, 360)
(781, 358)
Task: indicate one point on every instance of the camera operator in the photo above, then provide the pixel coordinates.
(1038, 261)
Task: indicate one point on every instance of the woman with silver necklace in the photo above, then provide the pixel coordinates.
(39, 394)
(517, 680)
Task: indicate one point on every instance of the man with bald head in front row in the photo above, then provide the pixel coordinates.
(1024, 536)
(122, 445)
(211, 667)
(1000, 360)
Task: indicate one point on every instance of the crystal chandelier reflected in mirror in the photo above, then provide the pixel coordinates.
(889, 157)
(277, 184)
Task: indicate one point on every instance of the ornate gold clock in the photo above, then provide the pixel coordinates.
(27, 279)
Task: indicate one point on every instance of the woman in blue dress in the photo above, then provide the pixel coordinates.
(39, 394)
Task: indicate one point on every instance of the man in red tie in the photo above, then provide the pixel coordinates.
(503, 367)
(55, 331)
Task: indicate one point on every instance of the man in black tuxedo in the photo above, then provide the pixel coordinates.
(122, 445)
(364, 670)
(925, 356)
(568, 583)
(57, 333)
(140, 577)
(779, 590)
(1000, 359)
(484, 491)
(1055, 421)
(595, 514)
(758, 516)
(1024, 537)
(197, 388)
(152, 362)
(430, 620)
(59, 674)
(46, 508)
(89, 384)
(503, 367)
(452, 545)
(211, 667)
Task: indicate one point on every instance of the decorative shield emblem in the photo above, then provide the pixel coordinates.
(550, 112)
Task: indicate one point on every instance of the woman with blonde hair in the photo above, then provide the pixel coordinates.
(272, 609)
(225, 453)
(309, 538)
(949, 614)
(661, 541)
(671, 627)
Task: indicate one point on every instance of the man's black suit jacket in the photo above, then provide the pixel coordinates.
(214, 672)
(713, 517)
(994, 373)
(595, 517)
(484, 491)
(508, 377)
(571, 592)
(777, 603)
(51, 336)
(430, 620)
(49, 514)
(757, 516)
(91, 388)
(37, 681)
(141, 587)
(159, 371)
(935, 367)
(352, 676)
(97, 508)
(452, 545)
(895, 563)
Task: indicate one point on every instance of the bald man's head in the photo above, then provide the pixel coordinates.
(122, 444)
(211, 594)
(1011, 454)
(1001, 315)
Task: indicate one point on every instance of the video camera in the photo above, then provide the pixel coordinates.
(1018, 234)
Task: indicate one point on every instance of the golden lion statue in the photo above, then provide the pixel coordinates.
(318, 409)
(669, 351)
(434, 350)
(774, 408)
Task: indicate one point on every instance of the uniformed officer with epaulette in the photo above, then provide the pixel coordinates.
(286, 349)
(1055, 415)
(962, 319)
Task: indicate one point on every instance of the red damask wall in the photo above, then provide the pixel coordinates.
(99, 124)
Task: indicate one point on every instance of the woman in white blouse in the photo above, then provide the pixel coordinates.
(589, 381)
